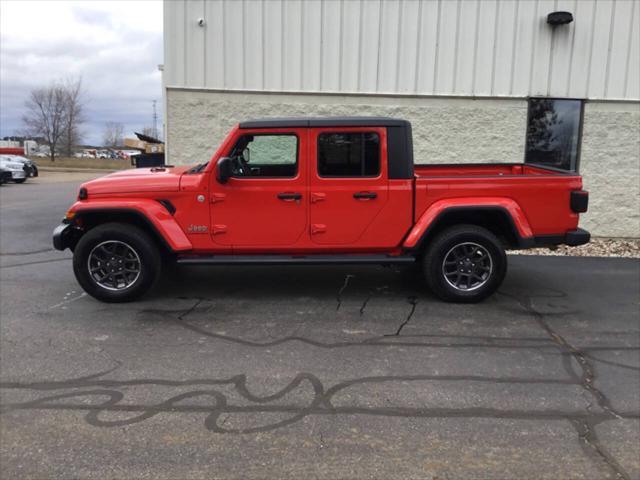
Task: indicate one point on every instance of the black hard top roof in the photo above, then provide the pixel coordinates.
(292, 122)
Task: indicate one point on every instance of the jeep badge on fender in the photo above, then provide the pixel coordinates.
(197, 228)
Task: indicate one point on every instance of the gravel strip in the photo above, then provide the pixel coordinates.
(597, 247)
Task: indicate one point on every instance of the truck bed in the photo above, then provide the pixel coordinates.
(483, 170)
(541, 193)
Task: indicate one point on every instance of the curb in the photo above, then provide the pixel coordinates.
(73, 169)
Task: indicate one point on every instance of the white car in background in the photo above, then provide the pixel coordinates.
(31, 166)
(17, 169)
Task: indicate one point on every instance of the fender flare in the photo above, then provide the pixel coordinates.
(150, 212)
(437, 210)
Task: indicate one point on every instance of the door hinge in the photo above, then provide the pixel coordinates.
(318, 197)
(318, 228)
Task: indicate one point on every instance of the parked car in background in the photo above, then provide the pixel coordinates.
(17, 169)
(32, 167)
(5, 175)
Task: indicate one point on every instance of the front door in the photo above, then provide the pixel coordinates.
(264, 204)
(348, 184)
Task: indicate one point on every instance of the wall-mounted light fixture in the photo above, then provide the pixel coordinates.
(559, 18)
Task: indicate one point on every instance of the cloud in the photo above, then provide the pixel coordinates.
(92, 17)
(115, 47)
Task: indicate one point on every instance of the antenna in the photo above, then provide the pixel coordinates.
(155, 120)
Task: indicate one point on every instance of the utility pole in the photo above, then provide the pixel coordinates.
(155, 120)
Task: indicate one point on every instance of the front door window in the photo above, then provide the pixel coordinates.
(272, 156)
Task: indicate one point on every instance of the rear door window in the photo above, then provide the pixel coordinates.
(349, 154)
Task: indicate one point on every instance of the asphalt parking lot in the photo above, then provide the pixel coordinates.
(334, 372)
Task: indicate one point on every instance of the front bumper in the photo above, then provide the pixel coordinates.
(64, 236)
(18, 174)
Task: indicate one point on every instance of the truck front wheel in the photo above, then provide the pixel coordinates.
(465, 264)
(116, 262)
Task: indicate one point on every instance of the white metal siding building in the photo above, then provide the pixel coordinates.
(461, 71)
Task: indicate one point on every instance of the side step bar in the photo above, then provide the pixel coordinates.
(293, 259)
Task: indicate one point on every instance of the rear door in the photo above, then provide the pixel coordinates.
(263, 206)
(348, 184)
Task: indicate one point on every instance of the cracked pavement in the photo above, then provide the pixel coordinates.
(333, 372)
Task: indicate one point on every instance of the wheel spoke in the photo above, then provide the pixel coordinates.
(104, 276)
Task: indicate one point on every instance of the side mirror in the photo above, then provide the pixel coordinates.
(224, 169)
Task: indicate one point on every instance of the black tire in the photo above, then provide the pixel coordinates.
(20, 180)
(487, 275)
(147, 261)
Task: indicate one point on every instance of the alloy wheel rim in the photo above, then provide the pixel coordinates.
(114, 265)
(467, 266)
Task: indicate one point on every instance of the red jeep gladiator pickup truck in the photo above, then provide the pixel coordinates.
(316, 191)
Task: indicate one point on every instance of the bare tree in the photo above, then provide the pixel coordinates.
(54, 112)
(113, 134)
(75, 113)
(47, 115)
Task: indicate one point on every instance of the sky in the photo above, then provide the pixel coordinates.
(115, 47)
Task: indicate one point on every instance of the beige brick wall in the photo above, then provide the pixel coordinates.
(445, 130)
(610, 166)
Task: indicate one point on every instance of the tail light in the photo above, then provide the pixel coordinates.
(579, 201)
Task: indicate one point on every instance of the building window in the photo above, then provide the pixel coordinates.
(348, 155)
(554, 130)
(265, 156)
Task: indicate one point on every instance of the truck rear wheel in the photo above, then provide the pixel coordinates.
(465, 264)
(116, 262)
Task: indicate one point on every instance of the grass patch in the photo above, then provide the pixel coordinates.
(94, 163)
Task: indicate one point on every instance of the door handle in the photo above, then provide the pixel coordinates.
(287, 196)
(365, 195)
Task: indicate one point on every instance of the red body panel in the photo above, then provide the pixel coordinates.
(245, 215)
(159, 217)
(541, 196)
(440, 206)
(137, 180)
(337, 218)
